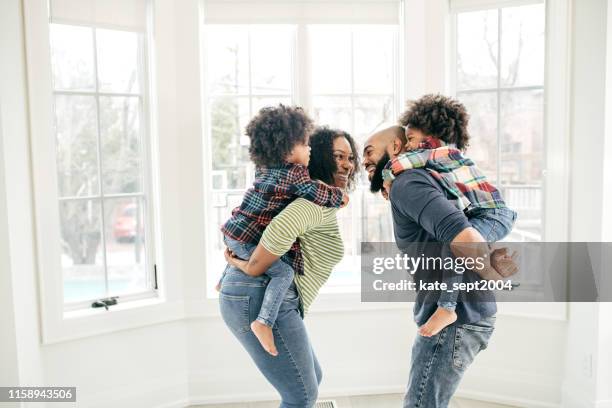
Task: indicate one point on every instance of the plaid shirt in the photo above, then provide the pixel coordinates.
(456, 173)
(273, 189)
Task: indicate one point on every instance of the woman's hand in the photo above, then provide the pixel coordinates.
(248, 267)
(233, 260)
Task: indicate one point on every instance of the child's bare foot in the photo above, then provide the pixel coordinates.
(439, 320)
(265, 336)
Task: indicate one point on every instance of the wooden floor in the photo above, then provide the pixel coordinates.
(364, 401)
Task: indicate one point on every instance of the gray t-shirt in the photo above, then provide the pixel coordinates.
(423, 213)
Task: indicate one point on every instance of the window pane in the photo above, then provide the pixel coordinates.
(125, 245)
(259, 103)
(77, 145)
(370, 112)
(330, 50)
(229, 117)
(82, 258)
(121, 149)
(522, 160)
(72, 57)
(477, 45)
(482, 108)
(118, 61)
(522, 149)
(333, 111)
(374, 52)
(228, 59)
(377, 224)
(222, 204)
(522, 55)
(271, 55)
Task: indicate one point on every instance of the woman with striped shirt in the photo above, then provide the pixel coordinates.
(295, 371)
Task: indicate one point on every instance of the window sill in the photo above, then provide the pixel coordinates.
(93, 322)
(135, 304)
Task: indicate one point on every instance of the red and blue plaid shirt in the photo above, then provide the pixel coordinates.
(273, 189)
(458, 174)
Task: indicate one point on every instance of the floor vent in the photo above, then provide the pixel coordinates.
(326, 404)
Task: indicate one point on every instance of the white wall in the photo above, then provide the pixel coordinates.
(8, 340)
(361, 352)
(19, 264)
(586, 353)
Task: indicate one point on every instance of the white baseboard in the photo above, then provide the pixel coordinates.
(171, 392)
(580, 400)
(507, 400)
(397, 389)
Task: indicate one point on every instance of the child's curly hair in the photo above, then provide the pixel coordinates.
(439, 116)
(274, 132)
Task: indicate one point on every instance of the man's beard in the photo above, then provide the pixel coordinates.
(376, 184)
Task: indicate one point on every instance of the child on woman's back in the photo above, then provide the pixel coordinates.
(279, 148)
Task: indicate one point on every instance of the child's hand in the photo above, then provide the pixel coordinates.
(345, 200)
(385, 193)
(506, 265)
(386, 188)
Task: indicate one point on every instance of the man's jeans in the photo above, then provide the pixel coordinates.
(438, 362)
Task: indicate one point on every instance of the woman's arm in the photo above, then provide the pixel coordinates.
(279, 236)
(260, 261)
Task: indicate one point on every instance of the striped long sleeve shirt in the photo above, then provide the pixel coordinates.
(317, 229)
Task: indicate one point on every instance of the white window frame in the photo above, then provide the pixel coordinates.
(146, 181)
(557, 77)
(58, 322)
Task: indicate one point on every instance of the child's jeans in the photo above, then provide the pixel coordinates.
(280, 274)
(494, 224)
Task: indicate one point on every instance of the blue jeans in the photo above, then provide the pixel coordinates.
(494, 224)
(295, 372)
(281, 277)
(439, 362)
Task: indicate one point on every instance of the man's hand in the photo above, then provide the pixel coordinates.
(506, 265)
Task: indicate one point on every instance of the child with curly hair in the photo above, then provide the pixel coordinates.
(279, 148)
(437, 136)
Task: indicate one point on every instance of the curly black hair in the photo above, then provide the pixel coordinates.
(439, 116)
(275, 131)
(322, 164)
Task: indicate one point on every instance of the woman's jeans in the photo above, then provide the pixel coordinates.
(439, 362)
(281, 277)
(295, 372)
